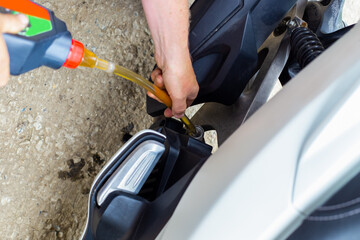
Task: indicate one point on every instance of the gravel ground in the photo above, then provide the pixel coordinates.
(57, 128)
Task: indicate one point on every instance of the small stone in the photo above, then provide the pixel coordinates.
(48, 227)
(5, 200)
(57, 228)
(44, 213)
(30, 119)
(38, 145)
(76, 160)
(37, 126)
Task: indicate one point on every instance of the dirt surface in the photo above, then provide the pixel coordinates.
(58, 128)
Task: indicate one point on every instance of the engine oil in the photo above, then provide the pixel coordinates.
(90, 60)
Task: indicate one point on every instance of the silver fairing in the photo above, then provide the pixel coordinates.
(285, 161)
(133, 172)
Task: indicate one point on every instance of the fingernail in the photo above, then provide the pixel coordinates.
(178, 115)
(24, 19)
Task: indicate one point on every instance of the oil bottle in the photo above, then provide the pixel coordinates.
(47, 42)
(44, 42)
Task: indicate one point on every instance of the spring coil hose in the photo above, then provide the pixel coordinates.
(305, 45)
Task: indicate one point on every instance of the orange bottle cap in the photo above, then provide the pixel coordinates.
(76, 55)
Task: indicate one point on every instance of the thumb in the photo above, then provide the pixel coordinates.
(10, 23)
(178, 107)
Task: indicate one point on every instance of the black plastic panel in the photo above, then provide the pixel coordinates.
(220, 10)
(120, 217)
(224, 38)
(98, 220)
(142, 216)
(233, 31)
(338, 219)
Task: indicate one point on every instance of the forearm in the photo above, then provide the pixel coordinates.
(168, 21)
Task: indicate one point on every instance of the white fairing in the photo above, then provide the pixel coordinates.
(285, 161)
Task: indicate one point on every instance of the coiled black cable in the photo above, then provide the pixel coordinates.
(305, 45)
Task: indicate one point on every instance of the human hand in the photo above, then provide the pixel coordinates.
(169, 25)
(180, 82)
(8, 24)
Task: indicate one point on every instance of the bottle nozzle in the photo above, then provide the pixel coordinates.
(76, 55)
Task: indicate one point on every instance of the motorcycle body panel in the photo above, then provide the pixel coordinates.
(269, 178)
(224, 38)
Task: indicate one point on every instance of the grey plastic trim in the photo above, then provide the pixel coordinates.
(131, 175)
(130, 142)
(284, 161)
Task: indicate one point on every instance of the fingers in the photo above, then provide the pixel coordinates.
(192, 94)
(168, 113)
(13, 23)
(157, 78)
(8, 24)
(178, 107)
(4, 60)
(180, 83)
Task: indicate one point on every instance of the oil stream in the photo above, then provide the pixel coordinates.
(90, 60)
